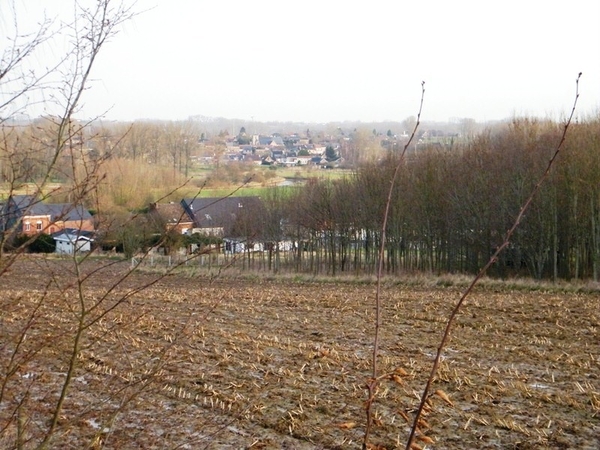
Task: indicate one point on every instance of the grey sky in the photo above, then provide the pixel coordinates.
(331, 60)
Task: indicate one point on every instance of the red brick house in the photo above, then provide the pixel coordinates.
(25, 214)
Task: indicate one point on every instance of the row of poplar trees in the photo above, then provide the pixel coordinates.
(452, 207)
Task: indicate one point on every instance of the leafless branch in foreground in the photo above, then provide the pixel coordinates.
(375, 379)
(485, 268)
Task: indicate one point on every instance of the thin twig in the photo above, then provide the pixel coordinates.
(375, 380)
(485, 268)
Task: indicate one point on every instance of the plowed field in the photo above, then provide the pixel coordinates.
(272, 364)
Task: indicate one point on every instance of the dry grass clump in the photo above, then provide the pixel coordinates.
(413, 279)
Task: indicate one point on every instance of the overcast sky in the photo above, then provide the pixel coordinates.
(329, 60)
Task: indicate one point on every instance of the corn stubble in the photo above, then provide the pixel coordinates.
(278, 362)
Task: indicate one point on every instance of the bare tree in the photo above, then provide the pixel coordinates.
(33, 413)
(57, 87)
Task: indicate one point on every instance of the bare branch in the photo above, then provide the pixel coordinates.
(485, 268)
(373, 383)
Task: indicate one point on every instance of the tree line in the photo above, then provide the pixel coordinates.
(452, 206)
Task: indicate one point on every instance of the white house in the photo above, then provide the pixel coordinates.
(68, 243)
(232, 246)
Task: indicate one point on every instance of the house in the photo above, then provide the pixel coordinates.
(254, 159)
(317, 149)
(26, 214)
(318, 161)
(267, 161)
(290, 161)
(268, 141)
(233, 246)
(225, 216)
(277, 142)
(70, 242)
(277, 155)
(170, 217)
(303, 160)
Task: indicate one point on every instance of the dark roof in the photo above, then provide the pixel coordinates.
(171, 213)
(24, 201)
(213, 212)
(29, 205)
(60, 211)
(264, 140)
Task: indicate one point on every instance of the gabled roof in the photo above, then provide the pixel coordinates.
(29, 205)
(71, 236)
(270, 141)
(171, 213)
(64, 211)
(277, 140)
(265, 140)
(214, 212)
(88, 234)
(24, 201)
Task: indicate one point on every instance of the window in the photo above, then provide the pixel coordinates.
(27, 226)
(38, 225)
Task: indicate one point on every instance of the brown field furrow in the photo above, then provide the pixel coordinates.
(281, 364)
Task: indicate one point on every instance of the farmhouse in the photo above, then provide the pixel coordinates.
(26, 214)
(224, 216)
